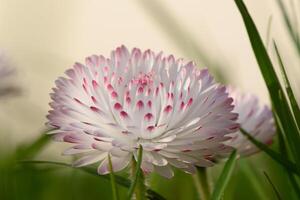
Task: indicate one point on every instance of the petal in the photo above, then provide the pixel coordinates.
(77, 149)
(191, 169)
(118, 164)
(158, 160)
(90, 159)
(164, 171)
(204, 163)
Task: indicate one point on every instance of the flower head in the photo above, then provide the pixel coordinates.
(254, 118)
(114, 105)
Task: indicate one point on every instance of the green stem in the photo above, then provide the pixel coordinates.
(112, 180)
(137, 184)
(201, 182)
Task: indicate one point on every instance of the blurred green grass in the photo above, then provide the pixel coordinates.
(42, 182)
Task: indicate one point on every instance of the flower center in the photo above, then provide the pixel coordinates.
(143, 79)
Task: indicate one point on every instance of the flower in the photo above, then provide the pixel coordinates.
(6, 72)
(254, 118)
(113, 105)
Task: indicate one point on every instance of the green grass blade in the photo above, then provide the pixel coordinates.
(290, 93)
(283, 151)
(294, 184)
(268, 33)
(273, 154)
(273, 186)
(279, 101)
(124, 182)
(293, 33)
(137, 173)
(224, 177)
(29, 151)
(259, 50)
(112, 180)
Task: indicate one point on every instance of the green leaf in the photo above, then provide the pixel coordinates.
(273, 186)
(152, 195)
(290, 93)
(273, 154)
(224, 177)
(112, 180)
(136, 179)
(279, 101)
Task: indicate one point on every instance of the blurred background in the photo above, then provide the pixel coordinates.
(43, 38)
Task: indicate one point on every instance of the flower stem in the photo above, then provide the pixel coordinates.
(201, 183)
(140, 188)
(137, 184)
(112, 180)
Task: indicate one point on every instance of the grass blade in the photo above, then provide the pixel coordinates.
(112, 180)
(137, 174)
(273, 186)
(279, 101)
(28, 151)
(294, 104)
(274, 155)
(293, 33)
(224, 177)
(294, 184)
(124, 182)
(268, 33)
(283, 151)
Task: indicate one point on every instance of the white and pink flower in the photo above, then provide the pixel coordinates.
(254, 118)
(179, 115)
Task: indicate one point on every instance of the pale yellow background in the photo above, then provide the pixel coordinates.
(45, 37)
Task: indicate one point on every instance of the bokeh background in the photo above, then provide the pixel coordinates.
(42, 38)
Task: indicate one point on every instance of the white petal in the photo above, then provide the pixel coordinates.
(117, 164)
(191, 169)
(159, 160)
(147, 166)
(177, 163)
(204, 163)
(82, 148)
(164, 171)
(90, 159)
